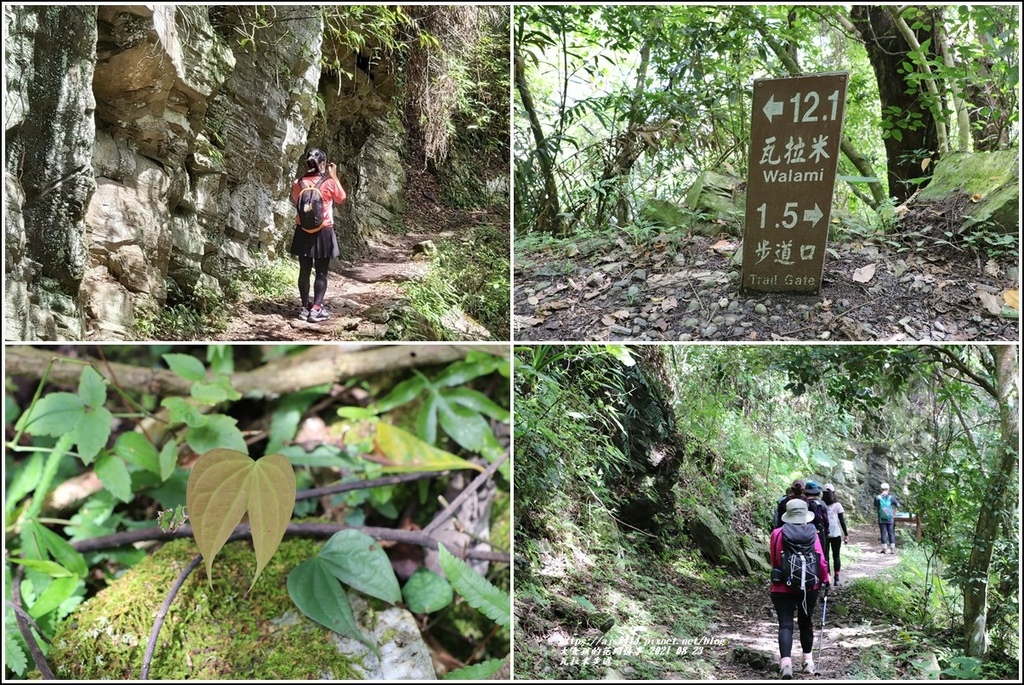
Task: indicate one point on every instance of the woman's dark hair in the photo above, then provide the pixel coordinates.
(828, 497)
(314, 158)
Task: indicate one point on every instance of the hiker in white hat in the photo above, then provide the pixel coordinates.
(799, 570)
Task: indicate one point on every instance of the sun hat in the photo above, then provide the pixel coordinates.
(885, 486)
(811, 487)
(797, 512)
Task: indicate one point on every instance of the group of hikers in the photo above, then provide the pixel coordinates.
(810, 524)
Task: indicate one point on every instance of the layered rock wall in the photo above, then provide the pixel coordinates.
(151, 150)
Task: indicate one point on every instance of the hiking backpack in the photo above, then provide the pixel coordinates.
(311, 206)
(800, 562)
(885, 510)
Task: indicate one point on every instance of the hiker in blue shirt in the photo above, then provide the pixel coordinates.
(886, 506)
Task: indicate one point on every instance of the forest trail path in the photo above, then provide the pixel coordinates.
(360, 298)
(748, 619)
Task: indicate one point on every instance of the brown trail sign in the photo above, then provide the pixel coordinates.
(794, 150)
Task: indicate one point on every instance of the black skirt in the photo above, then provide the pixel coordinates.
(320, 245)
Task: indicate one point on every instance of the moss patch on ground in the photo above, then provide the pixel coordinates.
(211, 632)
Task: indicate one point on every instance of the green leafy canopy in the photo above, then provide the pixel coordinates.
(224, 484)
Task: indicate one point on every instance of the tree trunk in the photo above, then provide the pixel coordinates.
(549, 218)
(888, 51)
(1003, 487)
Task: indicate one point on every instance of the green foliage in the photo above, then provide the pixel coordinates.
(426, 592)
(471, 275)
(478, 592)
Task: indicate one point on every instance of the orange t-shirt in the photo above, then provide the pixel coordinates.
(331, 192)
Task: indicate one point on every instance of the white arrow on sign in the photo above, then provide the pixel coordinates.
(813, 215)
(772, 108)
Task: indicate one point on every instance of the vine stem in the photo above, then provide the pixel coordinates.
(26, 631)
(162, 614)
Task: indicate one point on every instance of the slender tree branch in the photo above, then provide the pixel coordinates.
(26, 630)
(162, 613)
(31, 622)
(454, 505)
(310, 530)
(363, 484)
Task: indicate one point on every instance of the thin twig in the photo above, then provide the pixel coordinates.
(162, 614)
(363, 484)
(24, 614)
(26, 631)
(477, 483)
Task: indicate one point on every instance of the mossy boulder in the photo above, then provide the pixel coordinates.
(219, 631)
(990, 179)
(721, 199)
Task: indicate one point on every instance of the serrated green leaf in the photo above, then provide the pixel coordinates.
(50, 568)
(168, 460)
(426, 592)
(14, 655)
(92, 388)
(114, 475)
(357, 560)
(319, 596)
(223, 485)
(186, 366)
(271, 501)
(91, 431)
(406, 453)
(135, 448)
(215, 391)
(478, 592)
(480, 671)
(53, 596)
(403, 393)
(477, 401)
(219, 432)
(52, 415)
(183, 411)
(217, 495)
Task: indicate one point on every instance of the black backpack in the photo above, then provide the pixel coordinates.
(311, 206)
(800, 562)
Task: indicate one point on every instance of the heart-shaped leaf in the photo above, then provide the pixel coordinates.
(223, 485)
(356, 559)
(426, 592)
(319, 596)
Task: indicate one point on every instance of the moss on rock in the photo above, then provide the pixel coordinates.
(212, 631)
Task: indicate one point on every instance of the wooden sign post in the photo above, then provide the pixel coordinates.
(794, 150)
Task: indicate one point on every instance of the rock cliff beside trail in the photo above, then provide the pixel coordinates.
(150, 151)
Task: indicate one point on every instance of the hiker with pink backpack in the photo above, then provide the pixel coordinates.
(314, 243)
(799, 572)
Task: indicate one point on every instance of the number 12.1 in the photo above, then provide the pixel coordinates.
(812, 99)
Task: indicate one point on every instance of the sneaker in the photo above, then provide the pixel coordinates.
(304, 315)
(809, 666)
(318, 314)
(787, 671)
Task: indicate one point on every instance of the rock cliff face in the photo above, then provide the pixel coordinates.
(151, 150)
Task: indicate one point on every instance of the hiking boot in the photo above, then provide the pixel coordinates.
(808, 665)
(317, 314)
(303, 315)
(883, 550)
(892, 549)
(786, 669)
(835, 580)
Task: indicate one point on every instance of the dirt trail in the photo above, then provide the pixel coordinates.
(749, 621)
(360, 297)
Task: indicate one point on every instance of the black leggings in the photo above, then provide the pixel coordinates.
(786, 603)
(319, 283)
(834, 544)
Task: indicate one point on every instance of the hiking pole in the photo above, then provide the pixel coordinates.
(821, 638)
